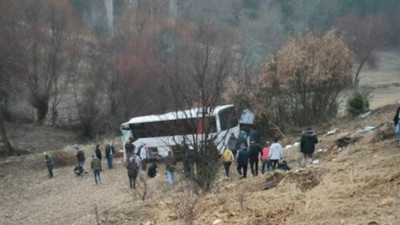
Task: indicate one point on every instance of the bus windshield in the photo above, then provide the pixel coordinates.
(228, 118)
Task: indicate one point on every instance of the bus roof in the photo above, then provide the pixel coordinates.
(185, 114)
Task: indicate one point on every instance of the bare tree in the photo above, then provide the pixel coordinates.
(363, 36)
(197, 80)
(9, 62)
(46, 36)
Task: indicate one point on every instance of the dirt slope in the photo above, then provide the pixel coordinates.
(358, 184)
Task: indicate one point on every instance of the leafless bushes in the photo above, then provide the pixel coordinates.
(185, 206)
(300, 85)
(143, 190)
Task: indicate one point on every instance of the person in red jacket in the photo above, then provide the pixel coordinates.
(264, 158)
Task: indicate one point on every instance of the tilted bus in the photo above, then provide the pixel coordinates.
(165, 132)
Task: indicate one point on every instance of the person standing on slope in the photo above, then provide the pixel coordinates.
(397, 125)
(133, 169)
(232, 143)
(227, 159)
(110, 152)
(307, 144)
(170, 164)
(254, 153)
(96, 167)
(242, 159)
(143, 154)
(264, 158)
(275, 153)
(49, 163)
(80, 156)
(98, 152)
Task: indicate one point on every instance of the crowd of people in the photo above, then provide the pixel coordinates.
(244, 150)
(247, 150)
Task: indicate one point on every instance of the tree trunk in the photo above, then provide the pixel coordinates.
(4, 136)
(356, 80)
(41, 110)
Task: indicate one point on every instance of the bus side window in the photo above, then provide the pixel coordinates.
(211, 128)
(200, 128)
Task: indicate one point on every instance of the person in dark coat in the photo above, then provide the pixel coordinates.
(397, 125)
(254, 153)
(133, 168)
(129, 149)
(80, 155)
(242, 160)
(242, 139)
(49, 163)
(78, 170)
(188, 159)
(152, 171)
(255, 136)
(232, 143)
(307, 144)
(98, 152)
(110, 152)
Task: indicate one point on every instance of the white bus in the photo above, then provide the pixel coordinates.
(165, 132)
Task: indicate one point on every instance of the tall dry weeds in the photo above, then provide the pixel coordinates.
(184, 207)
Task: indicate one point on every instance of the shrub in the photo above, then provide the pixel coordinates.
(301, 84)
(357, 103)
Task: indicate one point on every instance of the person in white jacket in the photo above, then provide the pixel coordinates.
(142, 152)
(275, 153)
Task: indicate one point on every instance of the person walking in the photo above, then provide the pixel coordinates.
(264, 158)
(307, 144)
(80, 155)
(110, 152)
(242, 159)
(170, 167)
(227, 159)
(49, 163)
(275, 153)
(397, 125)
(96, 167)
(98, 152)
(133, 169)
(254, 153)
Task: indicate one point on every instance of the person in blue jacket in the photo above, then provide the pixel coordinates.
(242, 159)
